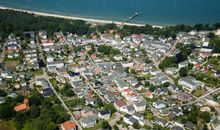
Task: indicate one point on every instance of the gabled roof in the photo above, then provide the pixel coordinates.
(69, 125)
(120, 102)
(104, 112)
(23, 107)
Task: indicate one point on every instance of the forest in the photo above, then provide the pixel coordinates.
(18, 22)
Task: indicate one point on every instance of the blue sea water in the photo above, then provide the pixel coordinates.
(160, 12)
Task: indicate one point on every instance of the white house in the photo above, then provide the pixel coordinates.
(122, 85)
(183, 64)
(120, 105)
(140, 106)
(105, 114)
(188, 83)
(159, 105)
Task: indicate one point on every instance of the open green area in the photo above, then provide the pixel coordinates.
(44, 113)
(7, 125)
(208, 79)
(198, 92)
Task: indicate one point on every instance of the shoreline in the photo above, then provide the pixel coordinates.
(89, 20)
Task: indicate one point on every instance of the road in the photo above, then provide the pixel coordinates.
(94, 90)
(197, 100)
(40, 49)
(3, 53)
(118, 116)
(157, 63)
(91, 86)
(45, 76)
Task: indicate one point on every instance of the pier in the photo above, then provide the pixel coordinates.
(131, 17)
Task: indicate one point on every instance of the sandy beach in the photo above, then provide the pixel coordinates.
(73, 18)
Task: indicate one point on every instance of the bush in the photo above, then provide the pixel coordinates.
(136, 126)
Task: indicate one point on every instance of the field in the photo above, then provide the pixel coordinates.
(198, 92)
(11, 65)
(7, 125)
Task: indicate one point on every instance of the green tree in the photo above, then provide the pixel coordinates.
(36, 98)
(168, 62)
(136, 126)
(110, 107)
(67, 90)
(34, 111)
(183, 72)
(51, 126)
(205, 116)
(99, 102)
(6, 111)
(105, 125)
(167, 84)
(115, 127)
(19, 120)
(2, 93)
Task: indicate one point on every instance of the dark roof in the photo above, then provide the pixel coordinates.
(47, 92)
(104, 112)
(189, 125)
(127, 116)
(139, 115)
(132, 119)
(73, 73)
(177, 128)
(161, 120)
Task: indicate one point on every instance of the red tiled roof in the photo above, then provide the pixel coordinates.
(148, 94)
(68, 125)
(120, 102)
(23, 107)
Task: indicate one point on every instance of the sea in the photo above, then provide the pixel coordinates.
(156, 12)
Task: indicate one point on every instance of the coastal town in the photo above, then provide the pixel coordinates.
(114, 77)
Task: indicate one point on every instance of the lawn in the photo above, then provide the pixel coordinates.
(208, 78)
(97, 126)
(35, 72)
(214, 62)
(198, 92)
(7, 125)
(11, 65)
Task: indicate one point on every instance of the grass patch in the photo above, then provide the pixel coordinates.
(34, 72)
(11, 65)
(198, 92)
(97, 126)
(7, 125)
(208, 78)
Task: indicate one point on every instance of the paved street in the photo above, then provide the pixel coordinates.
(45, 76)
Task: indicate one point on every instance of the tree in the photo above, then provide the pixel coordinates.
(167, 84)
(168, 62)
(115, 127)
(205, 116)
(110, 107)
(136, 126)
(152, 88)
(34, 111)
(183, 72)
(2, 93)
(215, 42)
(183, 120)
(36, 98)
(211, 35)
(6, 111)
(105, 125)
(126, 69)
(99, 102)
(67, 90)
(51, 126)
(19, 120)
